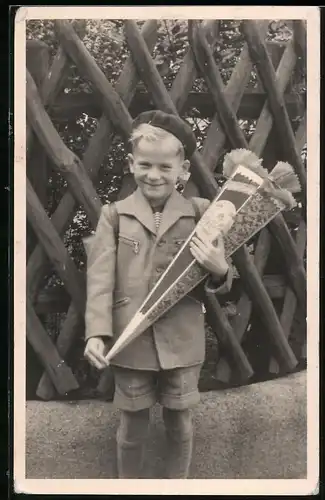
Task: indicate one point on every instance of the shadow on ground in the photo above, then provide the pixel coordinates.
(253, 432)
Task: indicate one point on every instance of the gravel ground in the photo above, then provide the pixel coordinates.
(253, 432)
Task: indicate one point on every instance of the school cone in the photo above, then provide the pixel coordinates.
(248, 201)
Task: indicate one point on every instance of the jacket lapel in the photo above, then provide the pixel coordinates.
(176, 207)
(137, 206)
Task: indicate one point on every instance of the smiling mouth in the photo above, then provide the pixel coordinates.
(153, 185)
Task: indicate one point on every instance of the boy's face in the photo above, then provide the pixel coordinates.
(156, 167)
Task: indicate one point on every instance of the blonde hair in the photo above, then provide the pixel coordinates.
(150, 133)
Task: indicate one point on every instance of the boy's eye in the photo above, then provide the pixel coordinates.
(166, 167)
(145, 164)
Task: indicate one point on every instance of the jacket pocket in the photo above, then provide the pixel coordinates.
(175, 245)
(120, 302)
(135, 244)
(179, 242)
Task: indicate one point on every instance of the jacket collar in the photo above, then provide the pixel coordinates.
(137, 206)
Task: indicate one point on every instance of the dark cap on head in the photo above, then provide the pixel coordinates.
(171, 123)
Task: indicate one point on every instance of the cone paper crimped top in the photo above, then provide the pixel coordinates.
(247, 202)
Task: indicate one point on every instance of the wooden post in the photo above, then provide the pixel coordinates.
(69, 333)
(68, 107)
(227, 337)
(290, 300)
(67, 163)
(37, 61)
(60, 374)
(74, 281)
(244, 307)
(54, 79)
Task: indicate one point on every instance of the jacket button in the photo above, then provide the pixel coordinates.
(159, 269)
(160, 243)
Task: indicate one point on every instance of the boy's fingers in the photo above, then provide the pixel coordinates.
(197, 239)
(200, 233)
(205, 249)
(99, 358)
(198, 254)
(195, 250)
(204, 245)
(92, 360)
(200, 244)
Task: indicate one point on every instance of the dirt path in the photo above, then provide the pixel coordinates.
(257, 431)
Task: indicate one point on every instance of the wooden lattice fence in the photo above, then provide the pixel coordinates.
(276, 137)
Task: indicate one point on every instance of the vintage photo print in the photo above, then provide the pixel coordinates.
(166, 190)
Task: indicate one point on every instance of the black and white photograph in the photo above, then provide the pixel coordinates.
(166, 188)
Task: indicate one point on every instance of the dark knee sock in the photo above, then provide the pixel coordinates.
(179, 434)
(130, 438)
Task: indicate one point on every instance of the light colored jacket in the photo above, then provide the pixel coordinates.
(120, 277)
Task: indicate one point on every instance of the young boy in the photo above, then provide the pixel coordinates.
(163, 364)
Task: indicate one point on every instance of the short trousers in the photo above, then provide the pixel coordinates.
(176, 389)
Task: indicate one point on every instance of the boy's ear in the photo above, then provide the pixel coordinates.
(185, 169)
(183, 177)
(130, 162)
(186, 165)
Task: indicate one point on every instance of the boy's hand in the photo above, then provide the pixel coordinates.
(95, 352)
(211, 257)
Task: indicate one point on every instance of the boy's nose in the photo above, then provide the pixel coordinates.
(153, 174)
